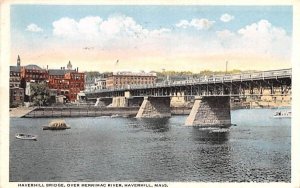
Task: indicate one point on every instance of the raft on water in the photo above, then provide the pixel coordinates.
(57, 125)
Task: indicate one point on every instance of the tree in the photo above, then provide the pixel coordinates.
(92, 75)
(39, 94)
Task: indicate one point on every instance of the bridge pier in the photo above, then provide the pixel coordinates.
(103, 102)
(127, 101)
(155, 107)
(119, 102)
(210, 111)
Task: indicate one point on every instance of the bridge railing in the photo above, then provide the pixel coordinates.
(255, 75)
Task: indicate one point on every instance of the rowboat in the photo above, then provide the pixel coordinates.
(23, 136)
(283, 114)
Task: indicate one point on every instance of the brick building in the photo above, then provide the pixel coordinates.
(76, 84)
(61, 82)
(127, 79)
(33, 73)
(66, 82)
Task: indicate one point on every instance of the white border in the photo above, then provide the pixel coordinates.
(4, 85)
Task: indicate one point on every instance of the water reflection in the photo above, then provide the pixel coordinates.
(207, 135)
(154, 124)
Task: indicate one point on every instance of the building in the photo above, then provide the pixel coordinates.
(127, 79)
(33, 73)
(15, 74)
(90, 84)
(61, 82)
(95, 84)
(16, 93)
(16, 96)
(100, 83)
(66, 82)
(69, 66)
(76, 84)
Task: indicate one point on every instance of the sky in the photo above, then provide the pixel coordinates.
(152, 37)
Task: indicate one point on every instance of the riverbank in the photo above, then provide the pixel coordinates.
(92, 111)
(88, 111)
(20, 111)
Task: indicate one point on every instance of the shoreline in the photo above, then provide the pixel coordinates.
(91, 111)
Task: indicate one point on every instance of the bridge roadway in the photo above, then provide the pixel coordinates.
(212, 95)
(226, 85)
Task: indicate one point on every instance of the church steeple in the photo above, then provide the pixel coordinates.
(18, 61)
(69, 66)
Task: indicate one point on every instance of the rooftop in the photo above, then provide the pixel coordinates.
(34, 67)
(15, 68)
(59, 72)
(133, 74)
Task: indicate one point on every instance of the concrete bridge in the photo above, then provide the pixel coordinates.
(212, 95)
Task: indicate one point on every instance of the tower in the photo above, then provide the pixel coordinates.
(69, 66)
(18, 61)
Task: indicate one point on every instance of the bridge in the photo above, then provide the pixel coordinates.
(212, 94)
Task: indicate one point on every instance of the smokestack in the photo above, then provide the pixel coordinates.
(60, 68)
(47, 67)
(77, 69)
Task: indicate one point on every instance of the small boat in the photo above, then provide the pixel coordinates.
(222, 130)
(23, 136)
(115, 116)
(57, 125)
(283, 114)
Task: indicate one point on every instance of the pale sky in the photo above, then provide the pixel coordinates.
(144, 37)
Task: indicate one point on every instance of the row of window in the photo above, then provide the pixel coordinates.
(59, 86)
(14, 85)
(35, 71)
(61, 81)
(17, 98)
(14, 74)
(125, 83)
(17, 93)
(56, 76)
(14, 79)
(35, 76)
(77, 78)
(138, 78)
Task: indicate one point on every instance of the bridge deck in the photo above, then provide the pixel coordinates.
(209, 80)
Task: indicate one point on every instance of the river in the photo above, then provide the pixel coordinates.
(105, 149)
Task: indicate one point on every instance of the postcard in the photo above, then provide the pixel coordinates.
(149, 94)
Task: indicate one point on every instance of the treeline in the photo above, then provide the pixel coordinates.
(201, 73)
(92, 74)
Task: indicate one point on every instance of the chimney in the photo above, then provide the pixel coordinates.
(77, 69)
(47, 67)
(60, 68)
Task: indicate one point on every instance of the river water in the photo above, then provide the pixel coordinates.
(105, 149)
